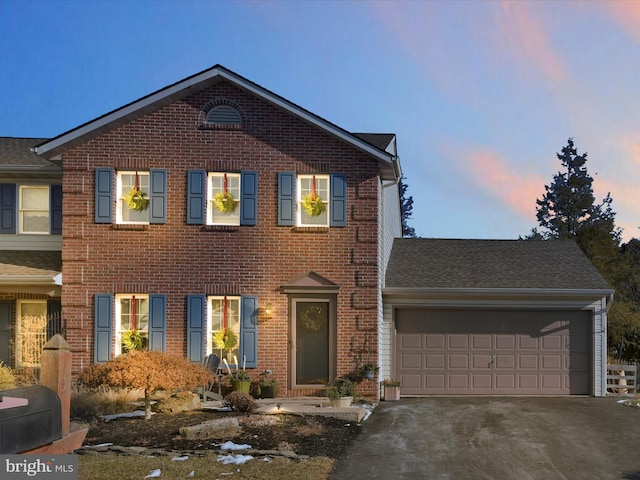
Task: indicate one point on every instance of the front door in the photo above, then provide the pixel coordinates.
(311, 332)
(5, 332)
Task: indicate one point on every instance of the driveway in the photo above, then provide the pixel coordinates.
(500, 438)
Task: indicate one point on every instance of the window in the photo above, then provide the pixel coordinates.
(133, 197)
(223, 199)
(132, 323)
(31, 332)
(308, 200)
(313, 200)
(34, 209)
(224, 325)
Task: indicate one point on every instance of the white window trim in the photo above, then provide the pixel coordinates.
(21, 209)
(234, 220)
(299, 196)
(117, 324)
(119, 200)
(209, 348)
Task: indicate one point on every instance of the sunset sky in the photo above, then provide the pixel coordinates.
(481, 94)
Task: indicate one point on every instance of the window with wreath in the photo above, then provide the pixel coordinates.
(224, 326)
(223, 198)
(133, 197)
(132, 323)
(313, 200)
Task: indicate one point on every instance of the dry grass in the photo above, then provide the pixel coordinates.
(87, 404)
(106, 467)
(313, 427)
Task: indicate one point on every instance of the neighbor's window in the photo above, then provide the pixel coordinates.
(132, 323)
(34, 209)
(313, 200)
(31, 332)
(223, 198)
(224, 327)
(133, 197)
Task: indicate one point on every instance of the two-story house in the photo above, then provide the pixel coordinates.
(214, 208)
(30, 251)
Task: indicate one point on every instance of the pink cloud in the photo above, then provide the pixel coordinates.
(515, 189)
(625, 14)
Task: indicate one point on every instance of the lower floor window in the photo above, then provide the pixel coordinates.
(31, 332)
(132, 317)
(224, 327)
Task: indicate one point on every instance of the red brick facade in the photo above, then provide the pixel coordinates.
(178, 259)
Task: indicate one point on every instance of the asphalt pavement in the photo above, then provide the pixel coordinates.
(501, 438)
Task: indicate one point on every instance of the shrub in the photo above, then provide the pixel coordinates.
(7, 378)
(150, 371)
(240, 402)
(88, 403)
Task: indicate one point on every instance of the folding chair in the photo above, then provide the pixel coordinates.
(212, 363)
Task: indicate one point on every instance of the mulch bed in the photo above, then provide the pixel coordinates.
(305, 435)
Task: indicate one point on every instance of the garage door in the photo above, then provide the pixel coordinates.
(479, 352)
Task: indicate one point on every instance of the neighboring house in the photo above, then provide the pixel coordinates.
(475, 317)
(30, 251)
(302, 292)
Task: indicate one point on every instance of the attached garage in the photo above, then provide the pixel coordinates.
(494, 317)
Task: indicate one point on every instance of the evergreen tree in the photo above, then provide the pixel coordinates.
(406, 209)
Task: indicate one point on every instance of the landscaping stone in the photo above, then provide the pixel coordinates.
(220, 428)
(178, 403)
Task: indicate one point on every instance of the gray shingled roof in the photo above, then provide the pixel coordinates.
(16, 154)
(378, 140)
(421, 263)
(21, 263)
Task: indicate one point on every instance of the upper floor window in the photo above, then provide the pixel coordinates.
(223, 199)
(132, 323)
(313, 200)
(133, 197)
(34, 209)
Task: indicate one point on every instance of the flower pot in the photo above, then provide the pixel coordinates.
(391, 394)
(341, 402)
(368, 374)
(268, 391)
(241, 385)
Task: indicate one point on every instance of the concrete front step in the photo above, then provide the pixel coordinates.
(310, 406)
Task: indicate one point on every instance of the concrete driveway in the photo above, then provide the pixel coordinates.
(497, 438)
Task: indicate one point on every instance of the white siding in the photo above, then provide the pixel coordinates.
(600, 348)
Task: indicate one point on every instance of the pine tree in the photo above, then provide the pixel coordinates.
(406, 209)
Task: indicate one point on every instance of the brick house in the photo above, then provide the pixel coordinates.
(302, 291)
(30, 251)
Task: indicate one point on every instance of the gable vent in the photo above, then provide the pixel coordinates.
(224, 115)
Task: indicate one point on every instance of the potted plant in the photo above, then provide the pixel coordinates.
(369, 370)
(391, 390)
(240, 379)
(269, 386)
(341, 392)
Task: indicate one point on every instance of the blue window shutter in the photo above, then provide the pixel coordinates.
(157, 322)
(195, 327)
(103, 318)
(248, 198)
(338, 207)
(286, 198)
(158, 195)
(55, 205)
(104, 195)
(8, 208)
(249, 330)
(196, 196)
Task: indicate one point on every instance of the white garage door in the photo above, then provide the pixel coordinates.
(479, 352)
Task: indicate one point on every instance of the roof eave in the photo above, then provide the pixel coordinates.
(56, 146)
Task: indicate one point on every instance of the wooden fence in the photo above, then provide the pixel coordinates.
(622, 379)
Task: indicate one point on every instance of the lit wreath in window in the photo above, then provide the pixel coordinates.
(312, 203)
(136, 199)
(224, 200)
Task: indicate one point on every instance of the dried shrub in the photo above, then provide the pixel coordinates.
(7, 378)
(150, 371)
(240, 402)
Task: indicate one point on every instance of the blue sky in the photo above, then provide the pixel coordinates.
(482, 95)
